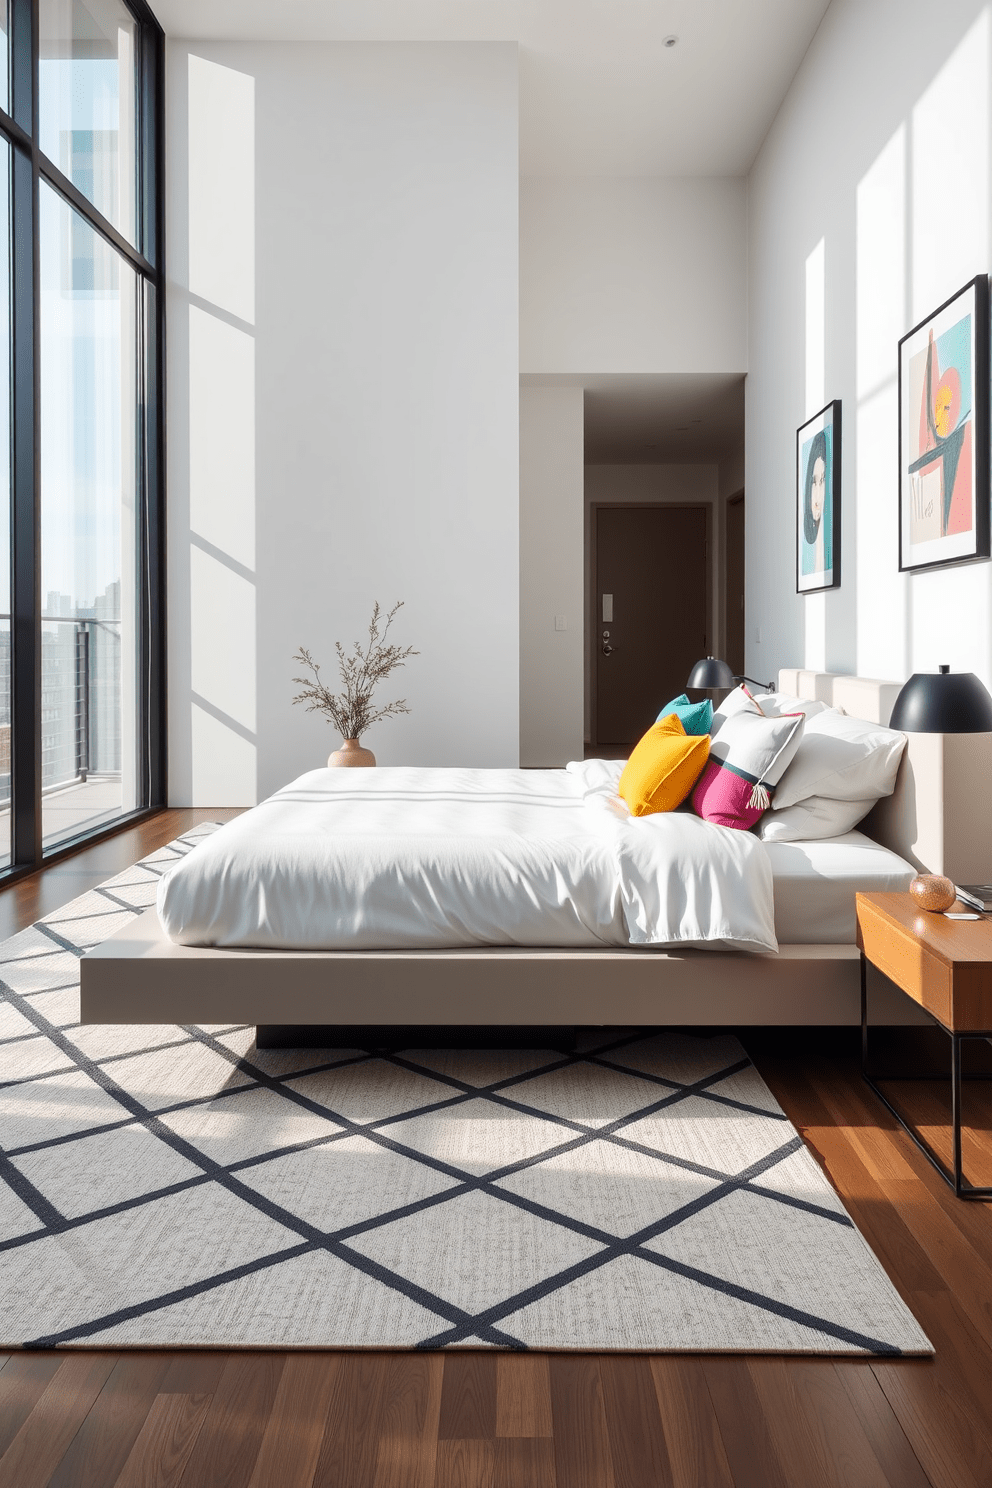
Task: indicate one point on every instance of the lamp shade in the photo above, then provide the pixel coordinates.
(711, 674)
(943, 702)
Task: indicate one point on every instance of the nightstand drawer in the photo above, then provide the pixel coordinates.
(908, 963)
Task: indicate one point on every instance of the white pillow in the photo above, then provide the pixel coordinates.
(814, 818)
(771, 704)
(774, 704)
(843, 758)
(738, 701)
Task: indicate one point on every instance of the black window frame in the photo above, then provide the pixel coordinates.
(28, 168)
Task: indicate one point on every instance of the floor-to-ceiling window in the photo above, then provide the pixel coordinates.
(81, 644)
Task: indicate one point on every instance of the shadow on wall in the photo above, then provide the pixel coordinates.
(212, 495)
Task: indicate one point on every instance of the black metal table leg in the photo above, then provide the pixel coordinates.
(953, 1177)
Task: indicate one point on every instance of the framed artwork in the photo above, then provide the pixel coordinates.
(818, 501)
(944, 433)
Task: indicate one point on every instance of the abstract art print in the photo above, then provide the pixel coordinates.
(818, 501)
(944, 433)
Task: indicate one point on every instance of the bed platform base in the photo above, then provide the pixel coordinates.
(139, 976)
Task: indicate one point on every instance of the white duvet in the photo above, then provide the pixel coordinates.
(414, 858)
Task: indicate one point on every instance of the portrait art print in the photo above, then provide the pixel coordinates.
(818, 501)
(944, 433)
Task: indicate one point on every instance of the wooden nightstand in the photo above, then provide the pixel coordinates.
(946, 967)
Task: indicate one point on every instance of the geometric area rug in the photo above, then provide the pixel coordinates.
(164, 1186)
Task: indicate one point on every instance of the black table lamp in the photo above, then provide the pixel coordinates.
(943, 702)
(712, 673)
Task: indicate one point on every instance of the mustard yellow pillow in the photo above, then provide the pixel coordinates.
(663, 767)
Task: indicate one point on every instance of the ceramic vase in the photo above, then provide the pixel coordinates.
(351, 753)
(933, 891)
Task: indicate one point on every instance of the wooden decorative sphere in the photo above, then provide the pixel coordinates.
(932, 891)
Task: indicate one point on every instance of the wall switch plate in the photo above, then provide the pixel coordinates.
(561, 623)
(757, 635)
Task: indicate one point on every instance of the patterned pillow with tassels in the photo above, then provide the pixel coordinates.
(747, 760)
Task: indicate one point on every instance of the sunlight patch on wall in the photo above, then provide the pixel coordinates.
(880, 289)
(222, 187)
(222, 436)
(815, 605)
(223, 763)
(873, 504)
(223, 612)
(222, 515)
(880, 320)
(816, 349)
(950, 174)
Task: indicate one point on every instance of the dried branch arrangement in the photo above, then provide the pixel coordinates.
(351, 711)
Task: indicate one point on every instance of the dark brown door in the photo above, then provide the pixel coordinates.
(735, 584)
(651, 568)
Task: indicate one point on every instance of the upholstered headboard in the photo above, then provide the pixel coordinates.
(939, 817)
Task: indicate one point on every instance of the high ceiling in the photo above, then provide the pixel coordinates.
(600, 92)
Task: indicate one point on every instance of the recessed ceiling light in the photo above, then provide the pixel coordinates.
(670, 41)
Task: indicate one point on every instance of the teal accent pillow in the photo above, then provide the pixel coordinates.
(695, 718)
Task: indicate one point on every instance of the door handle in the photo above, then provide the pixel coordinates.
(608, 650)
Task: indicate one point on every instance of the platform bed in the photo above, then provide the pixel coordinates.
(933, 820)
(140, 976)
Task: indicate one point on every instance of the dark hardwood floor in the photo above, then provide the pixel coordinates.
(104, 1419)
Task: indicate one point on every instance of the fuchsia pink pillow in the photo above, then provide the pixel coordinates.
(748, 757)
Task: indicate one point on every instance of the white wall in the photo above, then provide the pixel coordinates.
(343, 397)
(868, 205)
(633, 276)
(551, 537)
(632, 484)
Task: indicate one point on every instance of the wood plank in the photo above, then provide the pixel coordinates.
(101, 1446)
(696, 1453)
(963, 1361)
(406, 1455)
(633, 1423)
(525, 1462)
(166, 1442)
(227, 1444)
(197, 1372)
(889, 1442)
(63, 1406)
(950, 1449)
(815, 1429)
(468, 1397)
(970, 1218)
(582, 1453)
(951, 1257)
(294, 1432)
(22, 1383)
(465, 1464)
(523, 1395)
(351, 1436)
(744, 1429)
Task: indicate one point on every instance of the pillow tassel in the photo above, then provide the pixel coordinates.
(760, 799)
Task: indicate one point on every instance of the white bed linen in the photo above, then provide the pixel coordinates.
(815, 885)
(414, 858)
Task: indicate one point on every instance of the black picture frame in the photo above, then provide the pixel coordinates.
(944, 433)
(818, 501)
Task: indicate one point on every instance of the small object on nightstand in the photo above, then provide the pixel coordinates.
(971, 915)
(979, 896)
(933, 892)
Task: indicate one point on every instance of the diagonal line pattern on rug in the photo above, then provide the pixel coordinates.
(571, 1248)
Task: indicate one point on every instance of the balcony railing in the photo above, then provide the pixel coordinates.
(80, 705)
